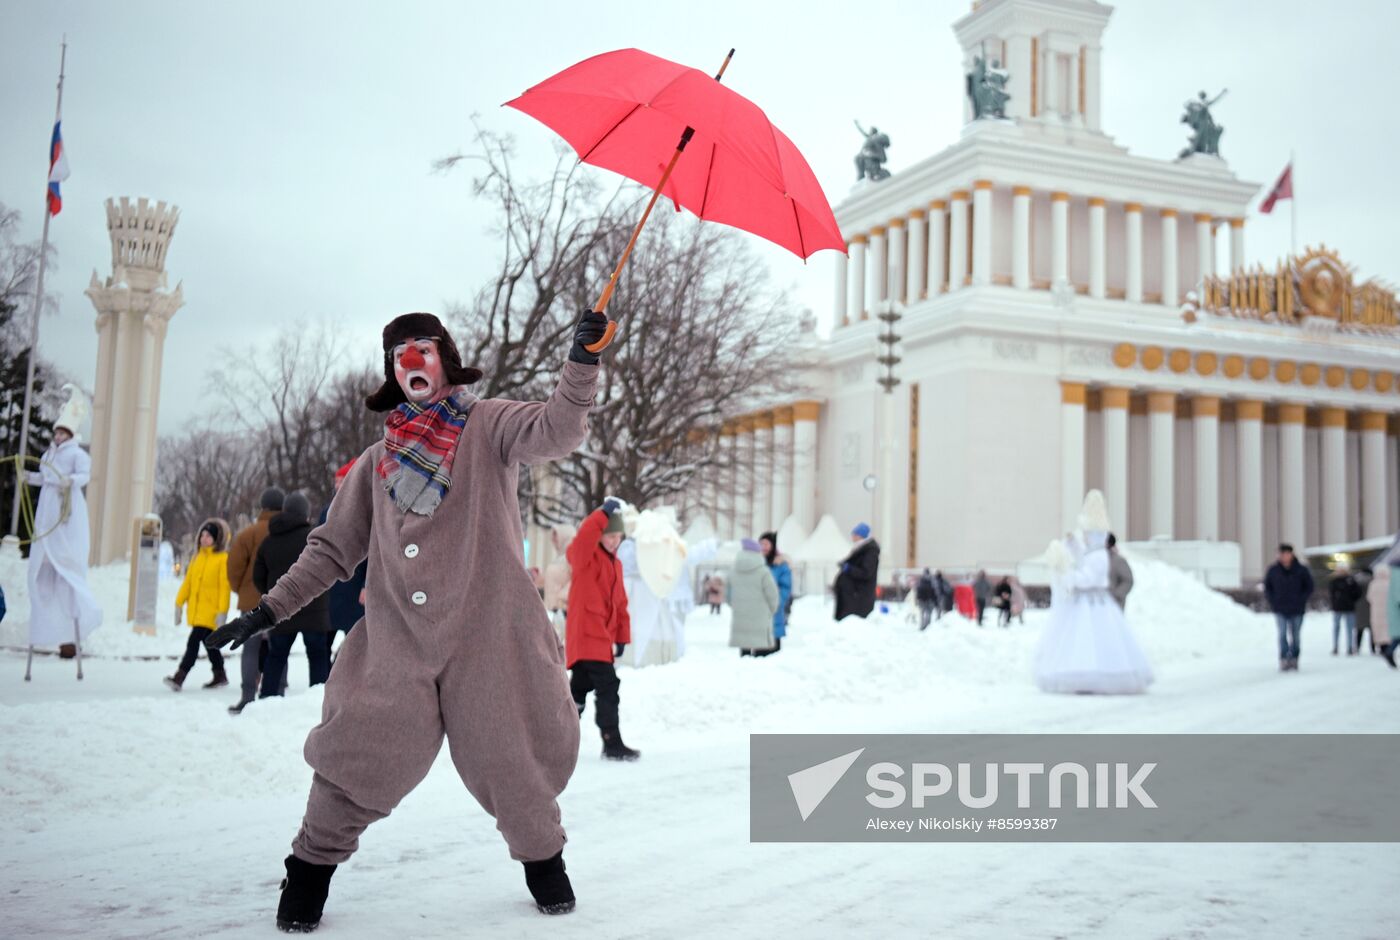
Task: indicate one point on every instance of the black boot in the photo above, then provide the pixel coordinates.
(176, 681)
(304, 893)
(1388, 651)
(237, 707)
(614, 749)
(218, 682)
(549, 885)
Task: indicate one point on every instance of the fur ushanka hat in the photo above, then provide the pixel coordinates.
(412, 326)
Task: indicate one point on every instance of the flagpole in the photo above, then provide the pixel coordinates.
(34, 319)
(1293, 202)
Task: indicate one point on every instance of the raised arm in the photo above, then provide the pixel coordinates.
(536, 431)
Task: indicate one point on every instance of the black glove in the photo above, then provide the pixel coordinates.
(239, 631)
(591, 327)
(617, 650)
(610, 506)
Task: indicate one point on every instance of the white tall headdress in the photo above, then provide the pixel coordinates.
(74, 411)
(1093, 515)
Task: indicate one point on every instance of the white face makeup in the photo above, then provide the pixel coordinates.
(418, 369)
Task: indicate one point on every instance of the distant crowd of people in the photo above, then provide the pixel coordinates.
(1289, 586)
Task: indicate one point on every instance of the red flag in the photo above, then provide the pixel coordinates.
(1283, 189)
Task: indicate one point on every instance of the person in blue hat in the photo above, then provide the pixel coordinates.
(855, 585)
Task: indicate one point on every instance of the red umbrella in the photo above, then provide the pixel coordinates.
(625, 110)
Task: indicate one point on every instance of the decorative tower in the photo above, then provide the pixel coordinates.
(1050, 50)
(133, 310)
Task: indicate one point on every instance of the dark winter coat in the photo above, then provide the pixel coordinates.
(855, 585)
(1344, 592)
(1003, 594)
(344, 596)
(944, 592)
(1288, 589)
(286, 539)
(1120, 578)
(981, 589)
(926, 591)
(2, 603)
(597, 614)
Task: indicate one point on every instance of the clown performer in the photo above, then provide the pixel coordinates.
(62, 609)
(455, 641)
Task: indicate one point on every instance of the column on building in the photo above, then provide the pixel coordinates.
(804, 463)
(1115, 456)
(1292, 419)
(727, 482)
(1205, 247)
(916, 270)
(937, 247)
(1170, 297)
(116, 528)
(782, 466)
(1205, 418)
(1249, 484)
(1161, 424)
(858, 309)
(1021, 237)
(982, 232)
(895, 278)
(101, 412)
(1132, 251)
(1375, 498)
(744, 479)
(1334, 475)
(1098, 247)
(159, 322)
(840, 310)
(957, 240)
(762, 473)
(1236, 245)
(1072, 440)
(879, 287)
(1059, 238)
(143, 463)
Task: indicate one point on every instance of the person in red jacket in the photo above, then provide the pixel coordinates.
(597, 626)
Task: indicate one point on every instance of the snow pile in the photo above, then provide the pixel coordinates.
(1178, 617)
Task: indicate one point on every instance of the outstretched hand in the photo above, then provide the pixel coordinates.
(592, 326)
(240, 630)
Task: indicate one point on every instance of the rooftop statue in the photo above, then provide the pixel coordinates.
(986, 88)
(870, 162)
(1205, 133)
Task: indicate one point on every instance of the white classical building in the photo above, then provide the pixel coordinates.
(1047, 283)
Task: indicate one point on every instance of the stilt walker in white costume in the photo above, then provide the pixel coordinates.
(62, 610)
(1087, 645)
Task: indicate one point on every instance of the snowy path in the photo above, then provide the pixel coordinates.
(133, 812)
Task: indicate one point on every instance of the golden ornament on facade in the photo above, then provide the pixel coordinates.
(1360, 378)
(1384, 381)
(1309, 373)
(1124, 355)
(1179, 360)
(1285, 371)
(1152, 357)
(1316, 283)
(1258, 369)
(1233, 367)
(1334, 376)
(1206, 363)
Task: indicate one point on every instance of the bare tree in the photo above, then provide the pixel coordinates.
(703, 334)
(202, 473)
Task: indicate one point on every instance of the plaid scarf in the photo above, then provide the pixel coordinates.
(419, 444)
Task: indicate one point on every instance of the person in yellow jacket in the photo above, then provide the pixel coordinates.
(204, 598)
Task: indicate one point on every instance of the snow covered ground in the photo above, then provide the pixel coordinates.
(131, 811)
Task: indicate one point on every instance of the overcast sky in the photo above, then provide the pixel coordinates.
(297, 138)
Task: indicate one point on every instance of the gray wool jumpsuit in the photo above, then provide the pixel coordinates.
(455, 641)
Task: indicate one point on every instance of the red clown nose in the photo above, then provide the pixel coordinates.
(411, 358)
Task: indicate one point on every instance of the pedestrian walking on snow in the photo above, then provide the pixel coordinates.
(855, 584)
(781, 571)
(1287, 587)
(240, 576)
(1343, 592)
(286, 540)
(753, 601)
(599, 626)
(981, 594)
(714, 593)
(926, 596)
(203, 601)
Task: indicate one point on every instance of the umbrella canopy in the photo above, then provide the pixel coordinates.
(625, 110)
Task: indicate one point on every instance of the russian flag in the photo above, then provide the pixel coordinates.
(58, 168)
